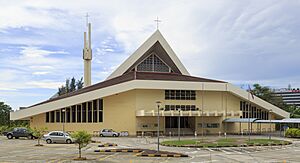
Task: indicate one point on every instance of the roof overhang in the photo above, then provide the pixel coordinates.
(143, 84)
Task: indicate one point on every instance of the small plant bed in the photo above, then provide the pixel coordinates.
(223, 142)
(154, 153)
(107, 145)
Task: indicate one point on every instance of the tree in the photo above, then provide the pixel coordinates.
(4, 114)
(73, 85)
(82, 138)
(79, 83)
(70, 86)
(38, 133)
(267, 94)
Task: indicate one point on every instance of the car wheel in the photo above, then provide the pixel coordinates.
(114, 135)
(30, 137)
(101, 135)
(49, 141)
(68, 141)
(9, 136)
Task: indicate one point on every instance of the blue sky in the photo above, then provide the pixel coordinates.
(243, 42)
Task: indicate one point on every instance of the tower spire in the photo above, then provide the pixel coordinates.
(87, 54)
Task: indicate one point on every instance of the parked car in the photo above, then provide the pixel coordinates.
(109, 132)
(19, 132)
(58, 137)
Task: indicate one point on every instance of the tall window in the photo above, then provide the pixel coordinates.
(78, 113)
(47, 117)
(68, 115)
(100, 110)
(57, 116)
(153, 64)
(52, 115)
(95, 112)
(89, 111)
(63, 115)
(83, 112)
(74, 113)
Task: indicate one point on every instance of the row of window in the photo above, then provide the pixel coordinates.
(180, 95)
(87, 112)
(209, 125)
(253, 112)
(181, 107)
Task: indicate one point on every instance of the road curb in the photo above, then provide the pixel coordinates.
(120, 150)
(107, 145)
(161, 155)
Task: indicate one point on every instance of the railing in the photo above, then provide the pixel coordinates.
(186, 113)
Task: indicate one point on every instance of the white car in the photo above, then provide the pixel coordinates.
(58, 137)
(109, 132)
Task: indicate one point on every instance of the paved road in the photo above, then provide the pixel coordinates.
(23, 150)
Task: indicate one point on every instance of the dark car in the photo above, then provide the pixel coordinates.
(19, 132)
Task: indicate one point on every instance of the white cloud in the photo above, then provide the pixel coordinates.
(240, 42)
(37, 52)
(41, 73)
(44, 84)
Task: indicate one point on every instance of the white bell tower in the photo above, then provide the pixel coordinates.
(87, 57)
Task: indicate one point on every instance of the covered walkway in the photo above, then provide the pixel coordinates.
(283, 123)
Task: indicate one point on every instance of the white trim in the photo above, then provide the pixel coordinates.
(156, 36)
(143, 84)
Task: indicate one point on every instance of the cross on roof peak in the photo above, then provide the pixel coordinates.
(157, 22)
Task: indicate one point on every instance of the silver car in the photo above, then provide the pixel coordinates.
(58, 137)
(109, 132)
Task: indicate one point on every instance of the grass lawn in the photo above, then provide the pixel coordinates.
(222, 142)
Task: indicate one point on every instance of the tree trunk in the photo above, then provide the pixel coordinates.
(38, 141)
(79, 151)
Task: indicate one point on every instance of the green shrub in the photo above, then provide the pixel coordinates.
(293, 132)
(82, 138)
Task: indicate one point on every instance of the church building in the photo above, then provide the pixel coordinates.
(151, 79)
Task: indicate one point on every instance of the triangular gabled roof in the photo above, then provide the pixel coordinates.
(155, 42)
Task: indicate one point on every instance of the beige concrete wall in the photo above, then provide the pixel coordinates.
(120, 112)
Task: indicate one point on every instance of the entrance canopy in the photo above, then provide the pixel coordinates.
(255, 120)
(240, 120)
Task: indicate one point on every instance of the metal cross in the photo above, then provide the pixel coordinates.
(87, 18)
(157, 22)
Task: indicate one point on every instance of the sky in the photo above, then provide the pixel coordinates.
(242, 42)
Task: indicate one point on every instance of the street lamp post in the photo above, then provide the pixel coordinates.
(270, 111)
(63, 118)
(179, 124)
(158, 106)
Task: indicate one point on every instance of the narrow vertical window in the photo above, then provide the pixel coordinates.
(78, 113)
(57, 116)
(74, 113)
(95, 111)
(63, 115)
(84, 112)
(68, 115)
(100, 110)
(90, 112)
(52, 115)
(47, 117)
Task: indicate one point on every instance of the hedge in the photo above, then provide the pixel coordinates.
(293, 133)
